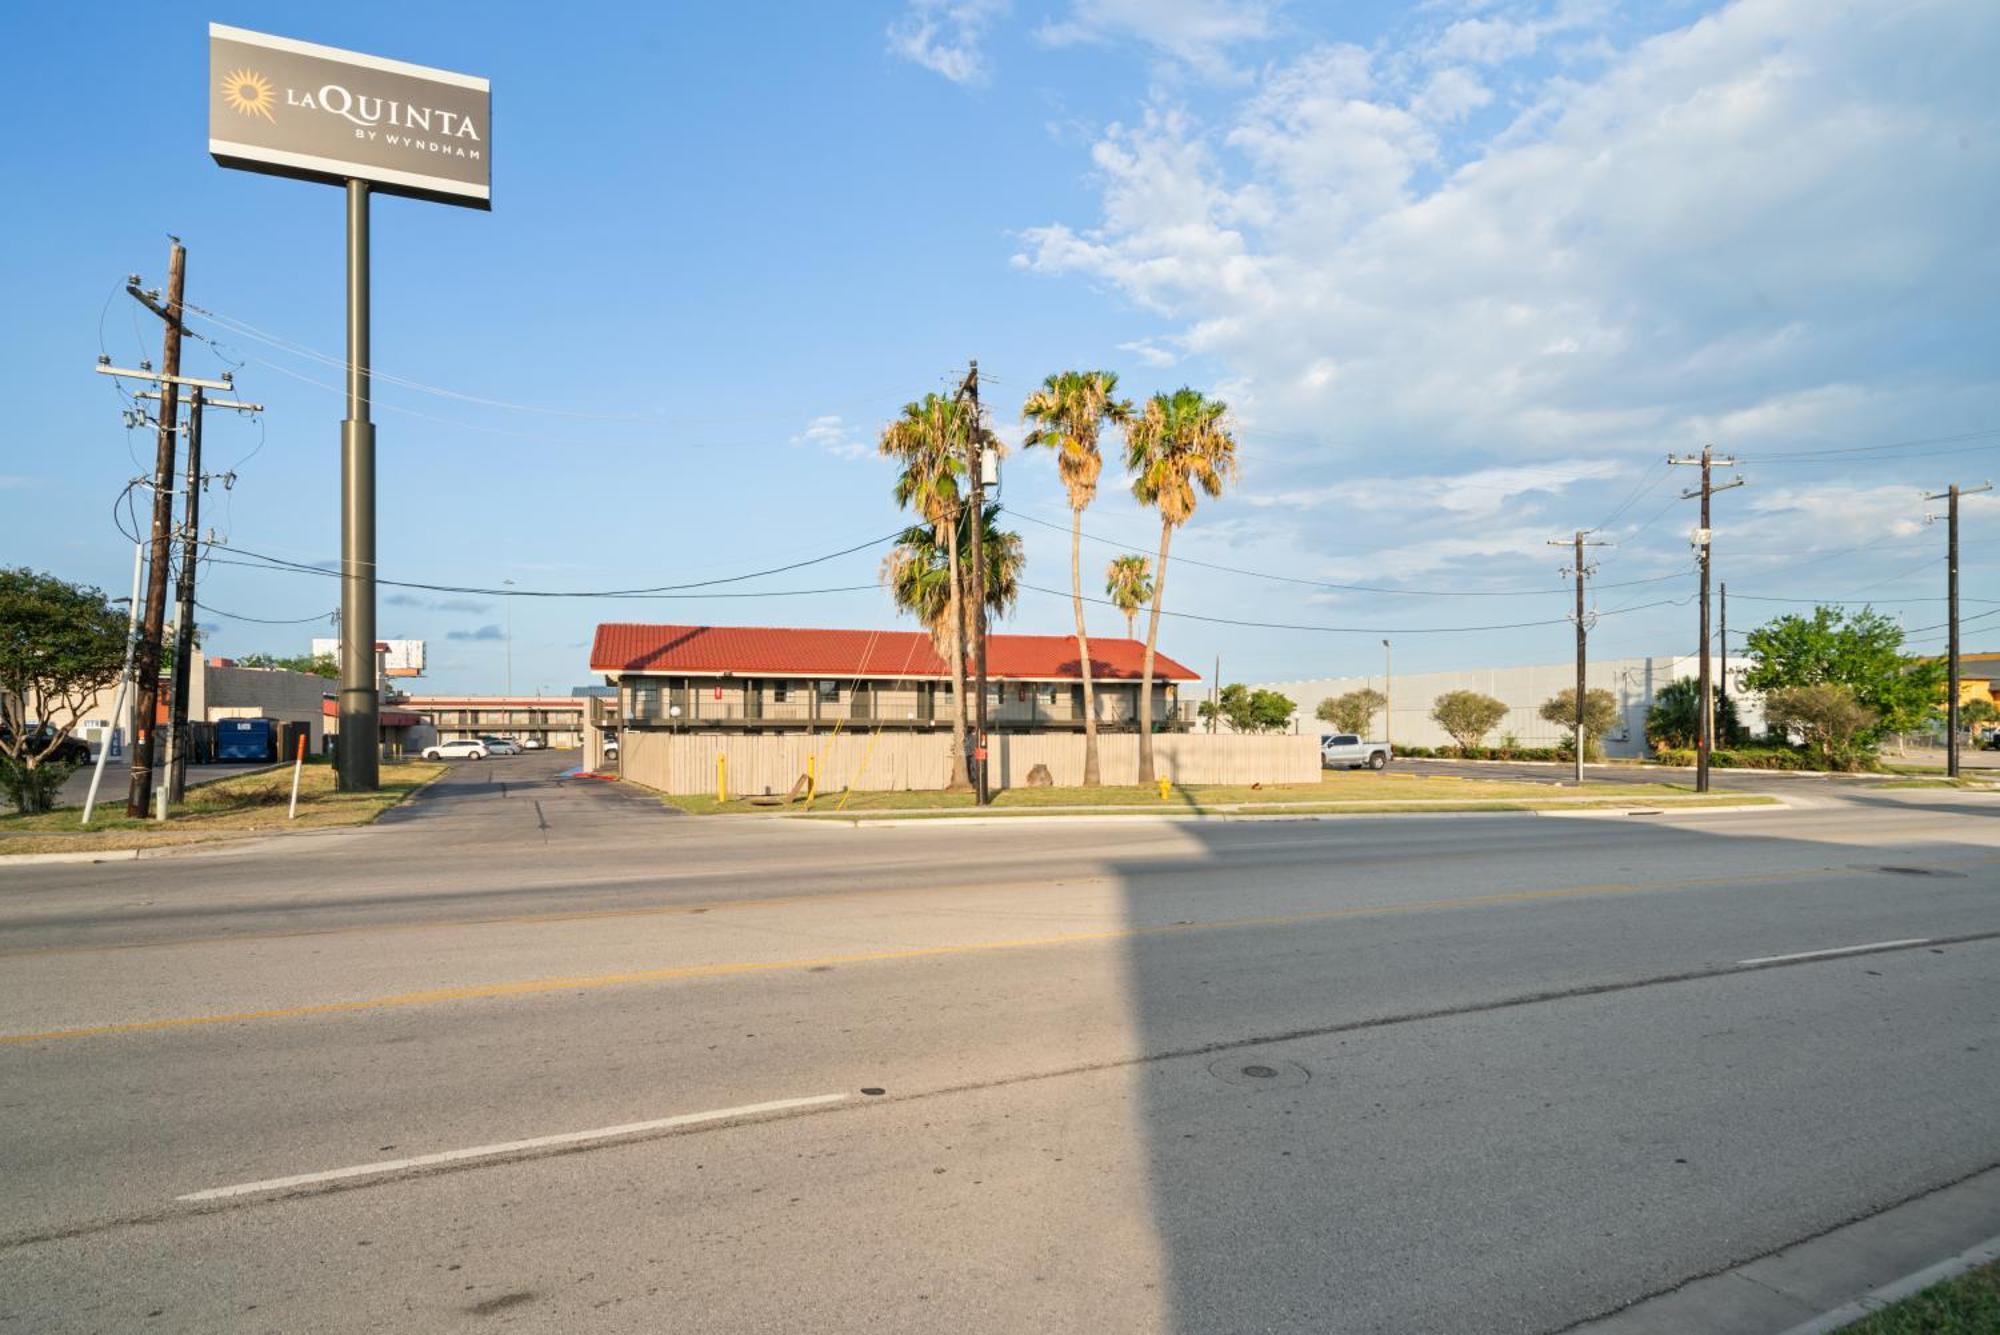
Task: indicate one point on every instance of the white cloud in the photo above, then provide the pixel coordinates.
(836, 437)
(1195, 33)
(1762, 229)
(946, 36)
(1150, 352)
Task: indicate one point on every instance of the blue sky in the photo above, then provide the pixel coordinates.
(1466, 273)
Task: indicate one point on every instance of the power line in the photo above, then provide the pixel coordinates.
(264, 621)
(1361, 630)
(1330, 584)
(290, 569)
(515, 591)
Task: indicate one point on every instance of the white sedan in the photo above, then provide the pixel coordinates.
(460, 750)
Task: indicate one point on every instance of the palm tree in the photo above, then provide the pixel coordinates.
(1180, 445)
(929, 440)
(1128, 582)
(917, 573)
(1068, 411)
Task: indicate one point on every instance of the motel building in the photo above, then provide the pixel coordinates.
(778, 680)
(556, 720)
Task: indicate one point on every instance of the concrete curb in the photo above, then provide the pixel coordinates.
(44, 859)
(1833, 1278)
(1185, 817)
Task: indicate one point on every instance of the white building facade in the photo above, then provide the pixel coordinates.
(1633, 682)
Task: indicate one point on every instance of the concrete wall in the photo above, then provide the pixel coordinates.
(677, 763)
(1634, 681)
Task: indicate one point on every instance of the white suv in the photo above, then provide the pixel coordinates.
(461, 750)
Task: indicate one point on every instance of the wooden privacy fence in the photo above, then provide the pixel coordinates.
(684, 763)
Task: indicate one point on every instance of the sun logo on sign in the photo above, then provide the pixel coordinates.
(249, 93)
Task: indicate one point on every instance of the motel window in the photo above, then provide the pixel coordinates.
(781, 691)
(829, 692)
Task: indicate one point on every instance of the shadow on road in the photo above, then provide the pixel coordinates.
(1319, 1161)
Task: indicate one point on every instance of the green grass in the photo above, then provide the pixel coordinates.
(1968, 1305)
(1336, 790)
(227, 808)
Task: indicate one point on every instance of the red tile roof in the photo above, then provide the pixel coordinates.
(767, 651)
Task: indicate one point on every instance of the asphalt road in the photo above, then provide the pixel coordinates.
(1724, 780)
(1412, 1073)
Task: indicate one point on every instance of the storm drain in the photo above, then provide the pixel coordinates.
(1259, 1072)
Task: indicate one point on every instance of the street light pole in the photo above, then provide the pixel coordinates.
(1388, 697)
(510, 639)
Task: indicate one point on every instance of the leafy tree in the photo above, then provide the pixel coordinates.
(1671, 723)
(1128, 583)
(917, 572)
(1863, 652)
(1245, 710)
(1354, 712)
(1467, 715)
(929, 440)
(1827, 717)
(1976, 714)
(1068, 411)
(60, 644)
(318, 665)
(1600, 715)
(1179, 446)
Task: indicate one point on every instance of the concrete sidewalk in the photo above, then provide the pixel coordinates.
(1834, 1279)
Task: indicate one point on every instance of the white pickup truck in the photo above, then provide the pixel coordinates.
(1344, 750)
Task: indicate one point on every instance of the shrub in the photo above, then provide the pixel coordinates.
(1468, 716)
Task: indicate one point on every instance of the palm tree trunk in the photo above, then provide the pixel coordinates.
(1091, 775)
(1129, 618)
(961, 775)
(1146, 672)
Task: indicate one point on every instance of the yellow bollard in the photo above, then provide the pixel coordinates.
(812, 778)
(1164, 785)
(721, 777)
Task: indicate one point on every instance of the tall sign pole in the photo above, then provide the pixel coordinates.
(371, 126)
(358, 750)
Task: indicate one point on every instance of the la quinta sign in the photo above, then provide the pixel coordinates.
(291, 108)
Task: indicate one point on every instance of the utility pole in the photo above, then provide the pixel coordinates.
(1581, 571)
(1722, 636)
(1704, 554)
(177, 717)
(1951, 495)
(1215, 698)
(179, 739)
(139, 797)
(975, 467)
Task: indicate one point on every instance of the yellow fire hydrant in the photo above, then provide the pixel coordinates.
(1164, 785)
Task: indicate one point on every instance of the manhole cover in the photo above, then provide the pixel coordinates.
(1259, 1072)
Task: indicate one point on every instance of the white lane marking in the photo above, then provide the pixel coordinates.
(507, 1147)
(1837, 950)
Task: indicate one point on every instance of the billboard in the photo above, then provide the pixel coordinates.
(318, 113)
(400, 658)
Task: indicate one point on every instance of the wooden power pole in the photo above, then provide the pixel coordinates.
(1950, 495)
(1704, 554)
(1582, 572)
(159, 552)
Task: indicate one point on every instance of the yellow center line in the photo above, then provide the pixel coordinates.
(536, 986)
